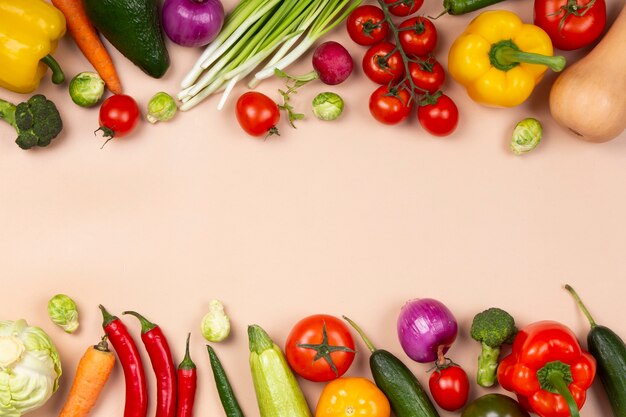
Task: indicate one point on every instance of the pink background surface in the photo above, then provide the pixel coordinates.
(350, 217)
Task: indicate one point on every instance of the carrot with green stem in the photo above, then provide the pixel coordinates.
(93, 372)
(87, 39)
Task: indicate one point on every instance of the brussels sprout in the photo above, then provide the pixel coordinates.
(526, 136)
(327, 106)
(161, 108)
(62, 311)
(215, 324)
(86, 89)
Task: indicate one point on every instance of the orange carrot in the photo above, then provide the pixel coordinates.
(93, 371)
(87, 39)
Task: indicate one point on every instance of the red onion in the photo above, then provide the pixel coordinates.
(426, 329)
(192, 22)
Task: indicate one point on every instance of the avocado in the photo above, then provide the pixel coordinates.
(134, 28)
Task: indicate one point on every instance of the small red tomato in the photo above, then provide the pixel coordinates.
(320, 348)
(449, 387)
(428, 75)
(404, 7)
(439, 118)
(119, 115)
(390, 106)
(418, 36)
(257, 114)
(571, 24)
(382, 63)
(367, 26)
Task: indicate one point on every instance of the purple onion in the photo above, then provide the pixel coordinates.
(426, 329)
(192, 22)
(332, 62)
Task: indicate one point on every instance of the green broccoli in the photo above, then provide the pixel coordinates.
(37, 121)
(492, 328)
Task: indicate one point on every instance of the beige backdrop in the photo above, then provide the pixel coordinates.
(350, 217)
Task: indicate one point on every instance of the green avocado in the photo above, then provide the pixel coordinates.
(134, 28)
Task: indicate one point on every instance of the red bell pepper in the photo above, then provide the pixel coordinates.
(548, 370)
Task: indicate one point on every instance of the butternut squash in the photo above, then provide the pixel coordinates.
(589, 97)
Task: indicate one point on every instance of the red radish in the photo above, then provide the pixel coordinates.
(332, 63)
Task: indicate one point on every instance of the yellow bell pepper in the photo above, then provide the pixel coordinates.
(499, 59)
(29, 33)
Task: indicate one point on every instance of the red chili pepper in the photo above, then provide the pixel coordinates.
(548, 370)
(126, 349)
(187, 381)
(161, 358)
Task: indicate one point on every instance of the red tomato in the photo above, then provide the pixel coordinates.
(328, 338)
(439, 118)
(367, 26)
(428, 76)
(257, 114)
(449, 387)
(421, 38)
(571, 26)
(390, 107)
(404, 7)
(119, 115)
(380, 66)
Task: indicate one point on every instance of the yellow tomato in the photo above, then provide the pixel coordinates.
(346, 397)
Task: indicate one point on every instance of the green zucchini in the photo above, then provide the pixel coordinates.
(458, 7)
(610, 353)
(277, 391)
(405, 393)
(224, 389)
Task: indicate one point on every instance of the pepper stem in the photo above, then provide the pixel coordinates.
(581, 305)
(559, 383)
(187, 363)
(506, 55)
(361, 333)
(555, 377)
(107, 317)
(57, 73)
(146, 325)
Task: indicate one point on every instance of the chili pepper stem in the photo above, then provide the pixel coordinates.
(361, 333)
(187, 363)
(146, 325)
(57, 73)
(556, 378)
(506, 55)
(581, 305)
(107, 317)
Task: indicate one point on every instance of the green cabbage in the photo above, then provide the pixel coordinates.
(30, 368)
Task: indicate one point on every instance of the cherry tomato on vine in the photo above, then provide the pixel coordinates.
(118, 116)
(427, 75)
(404, 7)
(571, 24)
(418, 36)
(257, 114)
(390, 106)
(440, 117)
(320, 348)
(381, 65)
(367, 26)
(449, 387)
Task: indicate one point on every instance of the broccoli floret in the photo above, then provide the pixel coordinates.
(492, 328)
(37, 121)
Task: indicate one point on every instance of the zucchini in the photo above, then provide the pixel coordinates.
(224, 389)
(405, 393)
(277, 391)
(458, 7)
(610, 353)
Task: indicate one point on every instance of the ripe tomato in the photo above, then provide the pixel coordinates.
(119, 115)
(367, 26)
(571, 25)
(404, 7)
(346, 397)
(257, 114)
(382, 66)
(418, 36)
(439, 118)
(390, 107)
(428, 76)
(320, 348)
(449, 387)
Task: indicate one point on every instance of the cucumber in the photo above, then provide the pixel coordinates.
(404, 392)
(610, 353)
(277, 391)
(458, 7)
(224, 389)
